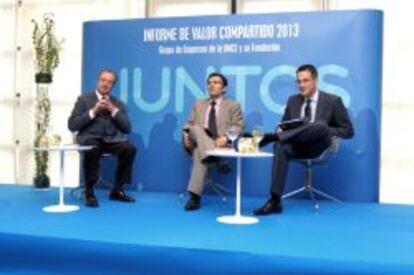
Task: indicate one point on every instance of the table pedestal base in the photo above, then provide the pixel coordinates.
(60, 208)
(237, 219)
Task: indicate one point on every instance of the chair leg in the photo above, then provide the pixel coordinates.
(216, 187)
(221, 187)
(308, 184)
(77, 192)
(291, 194)
(219, 190)
(326, 196)
(103, 183)
(181, 196)
(312, 196)
(310, 189)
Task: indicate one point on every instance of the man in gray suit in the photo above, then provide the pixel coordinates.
(101, 120)
(323, 117)
(205, 130)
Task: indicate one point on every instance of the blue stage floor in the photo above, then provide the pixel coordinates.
(155, 235)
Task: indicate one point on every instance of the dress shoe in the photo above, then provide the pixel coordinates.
(268, 138)
(271, 207)
(119, 195)
(91, 201)
(193, 203)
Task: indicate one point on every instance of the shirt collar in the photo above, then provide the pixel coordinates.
(218, 100)
(99, 95)
(314, 97)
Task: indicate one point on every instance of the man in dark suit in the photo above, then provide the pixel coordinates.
(101, 120)
(324, 117)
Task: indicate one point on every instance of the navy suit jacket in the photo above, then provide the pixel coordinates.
(103, 125)
(329, 110)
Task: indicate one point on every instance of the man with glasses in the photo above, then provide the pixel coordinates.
(311, 119)
(205, 130)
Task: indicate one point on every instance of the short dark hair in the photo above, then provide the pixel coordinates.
(310, 68)
(108, 71)
(223, 78)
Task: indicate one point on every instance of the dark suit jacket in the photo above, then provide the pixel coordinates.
(110, 129)
(329, 110)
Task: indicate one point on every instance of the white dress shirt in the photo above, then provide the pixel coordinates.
(313, 104)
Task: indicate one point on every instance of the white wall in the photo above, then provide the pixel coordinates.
(7, 153)
(397, 159)
(171, 8)
(398, 100)
(69, 17)
(267, 6)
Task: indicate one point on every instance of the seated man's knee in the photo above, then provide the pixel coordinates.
(276, 147)
(195, 129)
(320, 126)
(128, 148)
(283, 148)
(131, 149)
(94, 152)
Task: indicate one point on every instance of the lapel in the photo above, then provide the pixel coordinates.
(320, 106)
(92, 99)
(297, 107)
(222, 115)
(202, 112)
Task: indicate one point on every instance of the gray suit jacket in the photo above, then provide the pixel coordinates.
(329, 110)
(103, 125)
(229, 115)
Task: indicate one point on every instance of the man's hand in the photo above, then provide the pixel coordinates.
(110, 106)
(186, 140)
(100, 105)
(221, 142)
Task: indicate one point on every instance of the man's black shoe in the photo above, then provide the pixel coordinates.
(268, 138)
(271, 207)
(119, 195)
(91, 201)
(193, 202)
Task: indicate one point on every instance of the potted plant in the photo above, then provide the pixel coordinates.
(46, 50)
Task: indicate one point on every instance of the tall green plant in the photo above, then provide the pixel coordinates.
(46, 45)
(46, 50)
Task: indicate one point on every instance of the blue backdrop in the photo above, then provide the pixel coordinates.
(162, 66)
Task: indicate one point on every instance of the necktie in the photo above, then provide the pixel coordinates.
(212, 124)
(308, 110)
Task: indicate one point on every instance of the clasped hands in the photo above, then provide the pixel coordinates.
(102, 105)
